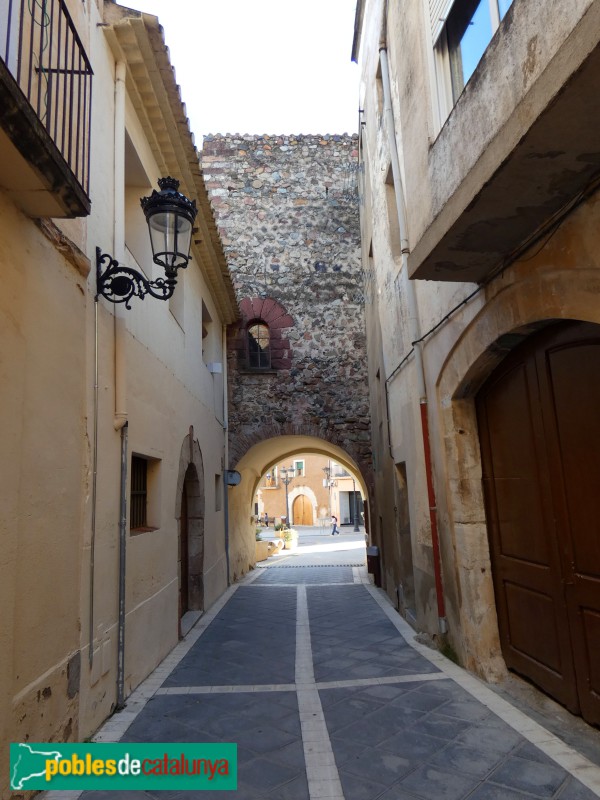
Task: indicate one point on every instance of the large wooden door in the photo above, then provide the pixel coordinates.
(184, 556)
(302, 511)
(540, 440)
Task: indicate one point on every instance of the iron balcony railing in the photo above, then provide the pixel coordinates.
(44, 53)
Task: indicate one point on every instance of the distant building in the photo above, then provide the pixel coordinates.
(317, 488)
(480, 164)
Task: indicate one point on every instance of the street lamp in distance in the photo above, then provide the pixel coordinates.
(287, 476)
(356, 528)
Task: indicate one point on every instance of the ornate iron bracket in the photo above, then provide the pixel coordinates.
(119, 284)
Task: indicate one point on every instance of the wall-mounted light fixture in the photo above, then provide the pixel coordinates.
(170, 216)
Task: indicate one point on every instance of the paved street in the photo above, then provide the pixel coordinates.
(328, 695)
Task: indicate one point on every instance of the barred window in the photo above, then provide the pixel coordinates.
(259, 350)
(139, 493)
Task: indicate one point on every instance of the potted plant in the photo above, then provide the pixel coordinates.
(290, 538)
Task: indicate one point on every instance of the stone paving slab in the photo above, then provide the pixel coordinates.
(328, 701)
(251, 641)
(352, 639)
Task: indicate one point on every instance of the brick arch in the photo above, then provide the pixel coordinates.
(277, 319)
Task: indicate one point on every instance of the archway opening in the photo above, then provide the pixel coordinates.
(296, 480)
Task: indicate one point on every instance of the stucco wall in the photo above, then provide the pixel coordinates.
(49, 690)
(553, 280)
(536, 49)
(43, 473)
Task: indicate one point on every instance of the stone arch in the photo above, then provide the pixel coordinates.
(503, 323)
(258, 456)
(244, 442)
(307, 492)
(190, 512)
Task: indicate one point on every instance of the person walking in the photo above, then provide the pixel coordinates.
(334, 527)
(266, 520)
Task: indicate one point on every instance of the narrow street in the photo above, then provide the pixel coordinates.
(310, 670)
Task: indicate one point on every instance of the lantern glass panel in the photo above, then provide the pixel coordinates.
(171, 236)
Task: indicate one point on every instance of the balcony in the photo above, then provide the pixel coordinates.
(45, 109)
(520, 148)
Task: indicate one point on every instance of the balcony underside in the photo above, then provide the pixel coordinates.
(554, 164)
(34, 174)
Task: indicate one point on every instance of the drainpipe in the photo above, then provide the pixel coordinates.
(94, 492)
(415, 332)
(226, 449)
(120, 331)
(122, 582)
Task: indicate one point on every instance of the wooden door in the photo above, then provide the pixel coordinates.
(302, 511)
(184, 556)
(540, 443)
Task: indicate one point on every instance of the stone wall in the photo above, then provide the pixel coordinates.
(287, 211)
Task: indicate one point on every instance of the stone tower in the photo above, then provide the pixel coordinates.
(287, 211)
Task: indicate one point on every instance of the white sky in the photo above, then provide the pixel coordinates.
(262, 66)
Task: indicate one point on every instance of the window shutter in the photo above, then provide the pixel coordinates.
(438, 13)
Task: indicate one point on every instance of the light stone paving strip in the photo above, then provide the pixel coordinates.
(569, 759)
(292, 687)
(321, 770)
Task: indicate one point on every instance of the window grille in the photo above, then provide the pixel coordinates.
(139, 493)
(259, 350)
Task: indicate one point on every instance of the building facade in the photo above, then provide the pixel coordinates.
(113, 418)
(317, 489)
(287, 211)
(479, 222)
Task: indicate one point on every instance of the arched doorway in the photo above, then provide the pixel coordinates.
(302, 513)
(191, 544)
(540, 444)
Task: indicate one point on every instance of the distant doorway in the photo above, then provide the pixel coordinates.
(191, 544)
(302, 513)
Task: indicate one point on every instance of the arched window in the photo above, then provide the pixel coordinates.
(259, 350)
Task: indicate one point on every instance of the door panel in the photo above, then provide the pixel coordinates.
(302, 511)
(570, 377)
(524, 540)
(540, 444)
(541, 642)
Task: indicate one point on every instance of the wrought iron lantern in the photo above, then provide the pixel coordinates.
(170, 216)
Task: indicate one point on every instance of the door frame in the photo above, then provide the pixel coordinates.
(486, 335)
(306, 500)
(310, 495)
(191, 478)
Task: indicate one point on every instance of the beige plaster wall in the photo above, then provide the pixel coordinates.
(537, 49)
(43, 462)
(557, 279)
(49, 689)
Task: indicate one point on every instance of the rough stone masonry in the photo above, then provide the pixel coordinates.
(287, 211)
